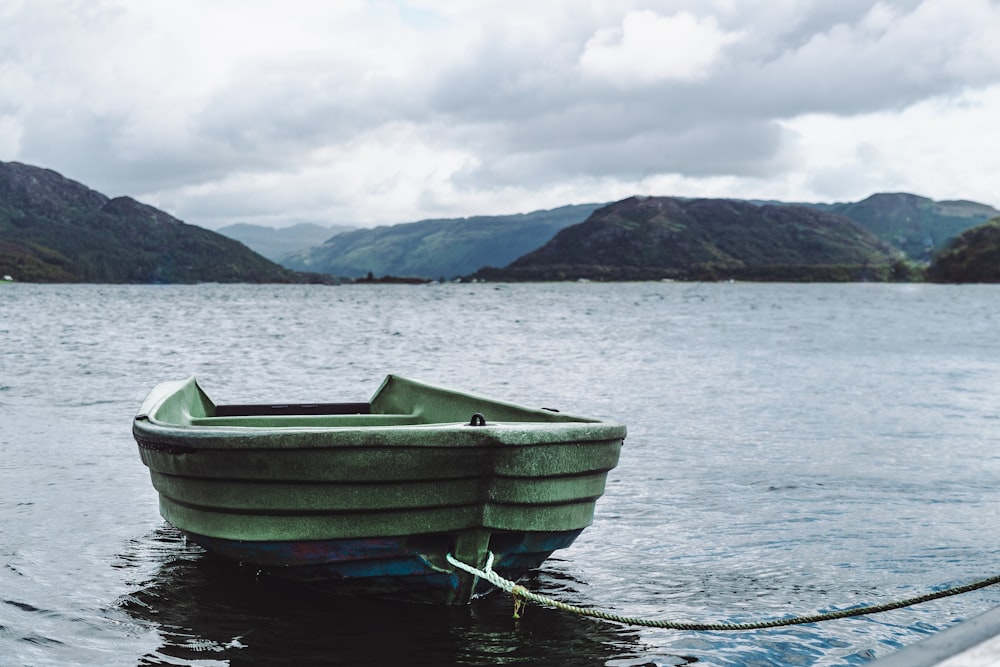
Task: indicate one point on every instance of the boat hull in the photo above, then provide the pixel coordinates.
(400, 568)
(372, 501)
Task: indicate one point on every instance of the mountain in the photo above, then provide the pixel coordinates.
(444, 248)
(974, 257)
(916, 225)
(454, 247)
(53, 229)
(276, 243)
(651, 238)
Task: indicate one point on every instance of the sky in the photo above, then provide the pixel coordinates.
(371, 112)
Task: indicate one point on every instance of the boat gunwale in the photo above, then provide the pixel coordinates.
(191, 433)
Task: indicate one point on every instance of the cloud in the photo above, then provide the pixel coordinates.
(394, 165)
(916, 150)
(887, 58)
(376, 111)
(648, 48)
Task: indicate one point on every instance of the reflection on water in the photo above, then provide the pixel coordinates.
(210, 612)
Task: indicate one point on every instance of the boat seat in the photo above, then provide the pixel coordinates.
(320, 421)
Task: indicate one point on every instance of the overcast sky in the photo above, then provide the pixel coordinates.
(377, 112)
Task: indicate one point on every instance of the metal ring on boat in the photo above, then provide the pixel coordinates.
(477, 420)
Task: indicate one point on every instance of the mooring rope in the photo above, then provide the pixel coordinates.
(522, 594)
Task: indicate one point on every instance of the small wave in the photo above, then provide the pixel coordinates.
(42, 641)
(23, 606)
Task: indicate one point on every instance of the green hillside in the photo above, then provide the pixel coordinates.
(649, 238)
(437, 248)
(916, 225)
(53, 229)
(277, 243)
(974, 257)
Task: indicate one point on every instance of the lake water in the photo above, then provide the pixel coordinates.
(791, 449)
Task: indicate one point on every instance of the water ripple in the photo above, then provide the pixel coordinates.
(791, 448)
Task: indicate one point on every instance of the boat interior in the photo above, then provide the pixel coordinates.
(323, 415)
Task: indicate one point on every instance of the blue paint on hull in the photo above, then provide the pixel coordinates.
(405, 568)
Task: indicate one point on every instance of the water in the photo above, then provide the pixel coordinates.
(791, 449)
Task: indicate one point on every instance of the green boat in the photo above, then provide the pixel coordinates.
(370, 498)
